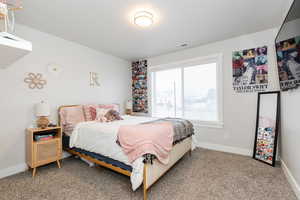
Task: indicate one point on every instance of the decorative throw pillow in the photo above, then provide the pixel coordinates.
(68, 128)
(90, 110)
(70, 117)
(101, 112)
(93, 112)
(87, 111)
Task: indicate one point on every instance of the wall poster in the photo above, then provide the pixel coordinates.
(139, 87)
(288, 59)
(250, 70)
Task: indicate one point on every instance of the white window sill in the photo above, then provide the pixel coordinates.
(202, 124)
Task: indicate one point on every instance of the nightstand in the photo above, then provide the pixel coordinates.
(39, 153)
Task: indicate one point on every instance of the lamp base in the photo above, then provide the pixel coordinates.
(128, 112)
(42, 122)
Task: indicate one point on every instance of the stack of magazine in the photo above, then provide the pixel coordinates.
(43, 137)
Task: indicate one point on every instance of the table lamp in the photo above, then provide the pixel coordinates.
(42, 111)
(128, 110)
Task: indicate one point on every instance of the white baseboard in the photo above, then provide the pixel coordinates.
(21, 168)
(291, 179)
(13, 170)
(223, 148)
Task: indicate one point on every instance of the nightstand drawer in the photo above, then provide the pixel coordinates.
(46, 150)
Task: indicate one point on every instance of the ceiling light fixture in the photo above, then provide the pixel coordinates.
(143, 19)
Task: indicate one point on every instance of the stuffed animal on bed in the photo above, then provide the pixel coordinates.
(112, 115)
(107, 115)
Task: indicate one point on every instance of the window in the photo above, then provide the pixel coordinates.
(167, 87)
(189, 89)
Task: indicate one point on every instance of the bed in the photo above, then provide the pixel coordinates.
(96, 142)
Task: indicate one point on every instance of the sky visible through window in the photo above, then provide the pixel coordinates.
(199, 93)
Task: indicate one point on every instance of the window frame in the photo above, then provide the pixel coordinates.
(216, 58)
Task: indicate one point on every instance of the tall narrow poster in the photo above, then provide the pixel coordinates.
(288, 59)
(250, 70)
(139, 87)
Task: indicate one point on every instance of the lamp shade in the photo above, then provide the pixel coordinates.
(42, 109)
(129, 104)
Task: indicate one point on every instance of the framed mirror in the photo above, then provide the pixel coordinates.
(267, 121)
(288, 49)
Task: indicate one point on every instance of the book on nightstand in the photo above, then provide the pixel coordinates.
(43, 137)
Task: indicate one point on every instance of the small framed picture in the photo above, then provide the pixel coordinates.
(266, 134)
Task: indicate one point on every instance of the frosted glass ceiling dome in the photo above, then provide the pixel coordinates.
(143, 19)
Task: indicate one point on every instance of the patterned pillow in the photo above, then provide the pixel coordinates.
(87, 111)
(100, 114)
(90, 110)
(93, 112)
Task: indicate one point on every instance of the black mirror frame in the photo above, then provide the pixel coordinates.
(276, 127)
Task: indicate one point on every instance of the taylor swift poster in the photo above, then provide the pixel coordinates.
(288, 57)
(250, 70)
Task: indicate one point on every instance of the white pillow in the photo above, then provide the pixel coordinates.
(101, 112)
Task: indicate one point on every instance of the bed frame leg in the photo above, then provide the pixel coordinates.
(145, 194)
(145, 182)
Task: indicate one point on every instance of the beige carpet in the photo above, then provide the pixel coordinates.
(207, 175)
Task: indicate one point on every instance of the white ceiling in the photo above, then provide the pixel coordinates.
(106, 25)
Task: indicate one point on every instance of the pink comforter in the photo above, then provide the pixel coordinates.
(156, 139)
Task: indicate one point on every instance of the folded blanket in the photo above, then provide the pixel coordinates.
(182, 128)
(150, 138)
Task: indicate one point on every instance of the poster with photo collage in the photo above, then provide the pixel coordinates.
(250, 70)
(288, 60)
(139, 87)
